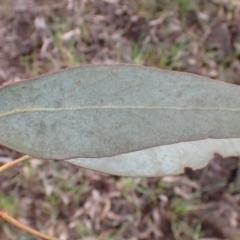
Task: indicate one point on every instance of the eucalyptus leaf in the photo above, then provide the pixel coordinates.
(108, 110)
(163, 160)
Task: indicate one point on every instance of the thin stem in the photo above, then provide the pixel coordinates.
(13, 163)
(13, 221)
(16, 223)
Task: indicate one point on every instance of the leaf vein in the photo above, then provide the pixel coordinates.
(80, 108)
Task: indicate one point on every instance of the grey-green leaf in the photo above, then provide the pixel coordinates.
(106, 110)
(163, 160)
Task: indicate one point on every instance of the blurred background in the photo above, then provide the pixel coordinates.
(56, 198)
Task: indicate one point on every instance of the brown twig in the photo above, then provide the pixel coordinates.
(16, 223)
(7, 218)
(13, 163)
